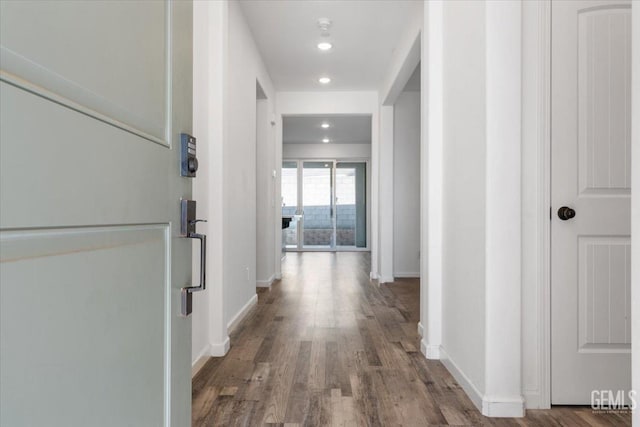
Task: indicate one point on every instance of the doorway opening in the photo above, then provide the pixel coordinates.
(325, 183)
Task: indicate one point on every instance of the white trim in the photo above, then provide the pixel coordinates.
(420, 329)
(220, 349)
(431, 352)
(503, 195)
(265, 283)
(407, 275)
(500, 407)
(464, 382)
(540, 398)
(489, 406)
(373, 275)
(202, 358)
(431, 173)
(278, 276)
(544, 115)
(385, 279)
(635, 203)
(535, 204)
(233, 323)
(385, 193)
(210, 350)
(532, 399)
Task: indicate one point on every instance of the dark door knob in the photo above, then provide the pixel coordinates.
(565, 213)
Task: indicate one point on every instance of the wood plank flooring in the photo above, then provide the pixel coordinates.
(325, 346)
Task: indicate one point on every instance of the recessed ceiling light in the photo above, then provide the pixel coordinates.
(325, 140)
(324, 80)
(325, 125)
(324, 46)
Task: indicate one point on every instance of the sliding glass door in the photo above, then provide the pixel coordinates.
(325, 204)
(351, 211)
(290, 210)
(318, 219)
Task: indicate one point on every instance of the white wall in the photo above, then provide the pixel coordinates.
(326, 151)
(402, 64)
(470, 315)
(406, 185)
(243, 68)
(464, 94)
(503, 387)
(209, 337)
(227, 65)
(319, 103)
(431, 172)
(481, 244)
(265, 196)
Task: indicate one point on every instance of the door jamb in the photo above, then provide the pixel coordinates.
(544, 200)
(536, 133)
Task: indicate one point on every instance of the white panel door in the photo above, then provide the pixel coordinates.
(93, 98)
(591, 174)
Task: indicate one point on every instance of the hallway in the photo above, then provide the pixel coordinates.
(325, 346)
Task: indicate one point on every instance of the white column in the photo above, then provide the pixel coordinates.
(431, 181)
(210, 23)
(374, 239)
(386, 194)
(503, 390)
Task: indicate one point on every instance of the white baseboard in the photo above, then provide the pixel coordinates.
(373, 275)
(265, 283)
(420, 329)
(431, 352)
(385, 279)
(466, 384)
(489, 406)
(278, 276)
(220, 349)
(233, 323)
(197, 365)
(200, 360)
(501, 407)
(210, 350)
(407, 275)
(533, 400)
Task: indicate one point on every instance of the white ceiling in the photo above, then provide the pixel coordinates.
(343, 130)
(364, 35)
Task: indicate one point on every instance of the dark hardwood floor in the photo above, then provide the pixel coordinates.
(325, 346)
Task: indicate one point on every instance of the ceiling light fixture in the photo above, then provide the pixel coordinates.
(325, 46)
(324, 80)
(325, 125)
(325, 140)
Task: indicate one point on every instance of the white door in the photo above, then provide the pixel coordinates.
(591, 174)
(93, 98)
